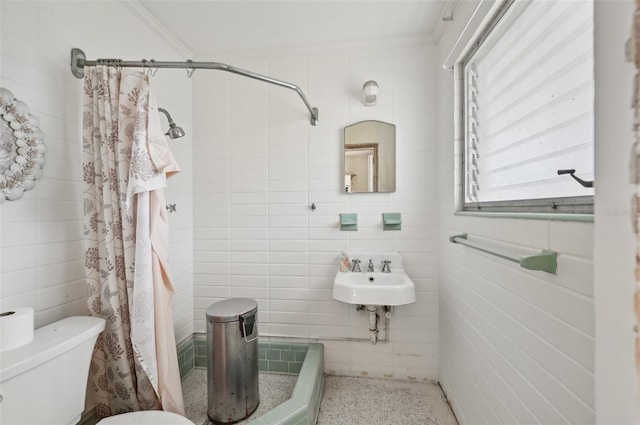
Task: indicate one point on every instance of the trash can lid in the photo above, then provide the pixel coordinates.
(230, 310)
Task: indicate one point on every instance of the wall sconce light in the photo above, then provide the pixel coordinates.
(370, 93)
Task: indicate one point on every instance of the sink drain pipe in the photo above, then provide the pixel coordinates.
(373, 323)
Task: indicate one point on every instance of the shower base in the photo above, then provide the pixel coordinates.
(306, 360)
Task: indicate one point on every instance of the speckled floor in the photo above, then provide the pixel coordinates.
(345, 400)
(362, 401)
(274, 390)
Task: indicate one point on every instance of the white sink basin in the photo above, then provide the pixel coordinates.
(375, 288)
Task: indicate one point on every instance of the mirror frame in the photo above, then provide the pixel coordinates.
(371, 139)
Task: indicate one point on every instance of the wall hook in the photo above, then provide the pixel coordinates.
(571, 172)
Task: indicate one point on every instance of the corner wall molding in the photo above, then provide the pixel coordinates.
(447, 14)
(313, 48)
(139, 11)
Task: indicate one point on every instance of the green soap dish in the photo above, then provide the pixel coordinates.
(349, 222)
(391, 221)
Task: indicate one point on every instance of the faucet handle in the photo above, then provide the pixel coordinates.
(355, 266)
(385, 266)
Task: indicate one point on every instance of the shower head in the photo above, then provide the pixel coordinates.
(174, 131)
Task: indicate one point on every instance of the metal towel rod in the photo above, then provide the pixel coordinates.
(546, 261)
(79, 61)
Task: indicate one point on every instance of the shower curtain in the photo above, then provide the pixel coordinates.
(126, 161)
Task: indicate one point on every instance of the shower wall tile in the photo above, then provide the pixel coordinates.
(42, 244)
(271, 165)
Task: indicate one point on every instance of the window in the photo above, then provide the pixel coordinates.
(528, 109)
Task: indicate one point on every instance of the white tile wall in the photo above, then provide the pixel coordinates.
(42, 259)
(259, 165)
(516, 346)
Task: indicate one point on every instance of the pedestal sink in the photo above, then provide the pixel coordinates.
(375, 288)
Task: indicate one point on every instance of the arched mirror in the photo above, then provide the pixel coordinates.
(370, 157)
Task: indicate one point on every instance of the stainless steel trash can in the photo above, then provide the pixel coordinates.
(232, 369)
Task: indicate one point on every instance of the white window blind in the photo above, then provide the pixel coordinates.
(529, 104)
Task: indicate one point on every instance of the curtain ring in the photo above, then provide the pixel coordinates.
(190, 68)
(154, 68)
(145, 69)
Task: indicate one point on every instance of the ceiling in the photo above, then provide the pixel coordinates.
(223, 25)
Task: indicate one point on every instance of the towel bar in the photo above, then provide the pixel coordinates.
(546, 261)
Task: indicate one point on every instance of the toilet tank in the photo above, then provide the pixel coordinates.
(45, 381)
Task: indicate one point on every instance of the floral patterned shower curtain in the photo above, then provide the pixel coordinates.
(126, 162)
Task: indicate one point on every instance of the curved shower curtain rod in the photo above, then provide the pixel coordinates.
(79, 61)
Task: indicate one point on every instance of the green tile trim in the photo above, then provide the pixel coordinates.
(200, 362)
(273, 357)
(288, 413)
(263, 366)
(200, 350)
(185, 356)
(391, 221)
(278, 345)
(288, 355)
(273, 354)
(304, 404)
(310, 382)
(295, 367)
(278, 366)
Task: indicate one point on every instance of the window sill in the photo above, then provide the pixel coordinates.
(584, 218)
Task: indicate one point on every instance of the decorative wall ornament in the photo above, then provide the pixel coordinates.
(22, 148)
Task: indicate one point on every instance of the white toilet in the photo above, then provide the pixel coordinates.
(44, 382)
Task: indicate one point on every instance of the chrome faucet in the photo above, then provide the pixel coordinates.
(385, 266)
(356, 266)
(370, 266)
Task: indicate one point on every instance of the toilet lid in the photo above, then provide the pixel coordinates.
(148, 417)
